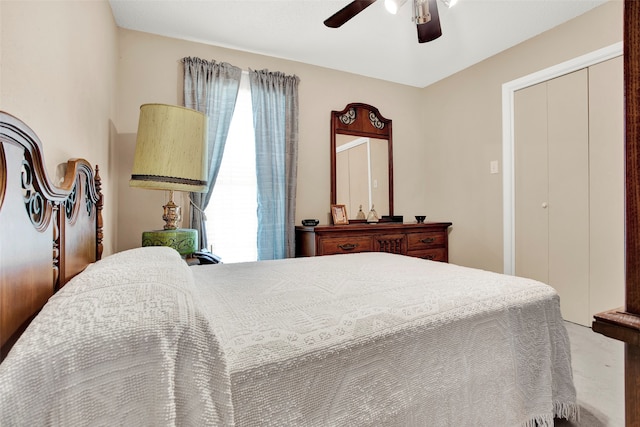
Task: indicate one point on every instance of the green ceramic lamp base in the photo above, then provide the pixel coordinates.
(183, 240)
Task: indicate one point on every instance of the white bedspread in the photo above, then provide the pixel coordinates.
(122, 344)
(347, 340)
(376, 339)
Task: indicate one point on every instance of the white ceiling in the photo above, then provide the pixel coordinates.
(374, 43)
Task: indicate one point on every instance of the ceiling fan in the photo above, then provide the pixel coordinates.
(425, 15)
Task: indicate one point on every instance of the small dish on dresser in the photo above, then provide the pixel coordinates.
(310, 222)
(420, 218)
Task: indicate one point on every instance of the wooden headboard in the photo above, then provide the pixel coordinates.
(48, 233)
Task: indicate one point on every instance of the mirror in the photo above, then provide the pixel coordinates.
(361, 160)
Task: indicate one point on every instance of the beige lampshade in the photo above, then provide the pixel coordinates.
(171, 150)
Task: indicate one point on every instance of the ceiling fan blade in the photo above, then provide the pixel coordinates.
(430, 30)
(346, 13)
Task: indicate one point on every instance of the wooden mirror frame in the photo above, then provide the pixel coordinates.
(364, 120)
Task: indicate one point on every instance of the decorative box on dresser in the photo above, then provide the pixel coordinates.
(427, 240)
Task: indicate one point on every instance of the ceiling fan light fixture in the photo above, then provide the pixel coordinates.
(393, 6)
(429, 30)
(450, 3)
(421, 11)
(425, 15)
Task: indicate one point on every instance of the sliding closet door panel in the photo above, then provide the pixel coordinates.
(531, 183)
(606, 146)
(568, 138)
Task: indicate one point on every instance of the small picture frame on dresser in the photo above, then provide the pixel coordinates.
(339, 214)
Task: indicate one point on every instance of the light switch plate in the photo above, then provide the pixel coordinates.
(493, 165)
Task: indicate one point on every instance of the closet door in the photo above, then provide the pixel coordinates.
(531, 183)
(569, 201)
(606, 165)
(568, 142)
(552, 189)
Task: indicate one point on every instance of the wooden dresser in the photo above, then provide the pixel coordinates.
(427, 241)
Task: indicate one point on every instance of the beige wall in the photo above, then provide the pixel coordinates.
(64, 63)
(58, 75)
(464, 132)
(444, 135)
(150, 71)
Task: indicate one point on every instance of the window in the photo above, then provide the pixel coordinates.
(232, 223)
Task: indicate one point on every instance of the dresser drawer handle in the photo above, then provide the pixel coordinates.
(348, 246)
(428, 240)
(429, 257)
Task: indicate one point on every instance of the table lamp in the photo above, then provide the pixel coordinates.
(171, 155)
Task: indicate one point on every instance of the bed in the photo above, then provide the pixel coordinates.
(366, 339)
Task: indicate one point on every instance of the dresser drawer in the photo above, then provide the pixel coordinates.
(418, 241)
(344, 245)
(392, 243)
(436, 254)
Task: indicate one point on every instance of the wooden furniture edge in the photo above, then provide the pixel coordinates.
(359, 226)
(619, 325)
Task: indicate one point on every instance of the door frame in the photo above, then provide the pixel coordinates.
(508, 143)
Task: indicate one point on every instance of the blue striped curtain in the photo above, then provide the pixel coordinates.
(275, 118)
(212, 88)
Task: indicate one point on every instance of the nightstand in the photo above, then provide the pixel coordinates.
(183, 240)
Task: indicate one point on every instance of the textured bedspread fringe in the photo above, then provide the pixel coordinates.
(567, 411)
(540, 421)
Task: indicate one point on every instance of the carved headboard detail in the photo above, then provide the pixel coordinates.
(48, 233)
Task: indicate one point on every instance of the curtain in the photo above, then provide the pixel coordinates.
(212, 88)
(275, 118)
